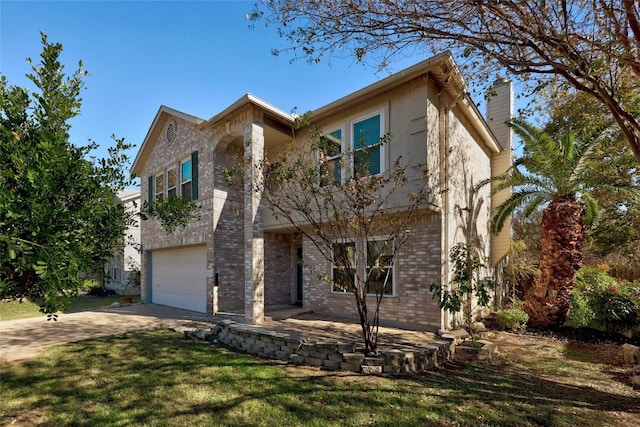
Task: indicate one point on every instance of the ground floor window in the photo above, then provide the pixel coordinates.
(379, 266)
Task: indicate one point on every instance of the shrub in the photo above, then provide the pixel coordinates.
(513, 319)
(598, 301)
(98, 290)
(614, 312)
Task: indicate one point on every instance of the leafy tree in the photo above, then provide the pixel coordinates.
(552, 175)
(592, 46)
(357, 221)
(617, 232)
(469, 291)
(172, 213)
(59, 218)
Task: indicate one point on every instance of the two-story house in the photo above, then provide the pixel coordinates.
(239, 258)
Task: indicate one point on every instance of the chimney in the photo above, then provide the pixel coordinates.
(499, 112)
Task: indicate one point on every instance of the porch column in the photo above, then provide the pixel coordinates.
(253, 227)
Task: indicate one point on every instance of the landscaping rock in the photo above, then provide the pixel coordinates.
(631, 354)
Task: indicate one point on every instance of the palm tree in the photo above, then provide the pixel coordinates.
(555, 178)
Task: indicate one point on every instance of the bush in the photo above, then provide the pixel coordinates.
(615, 312)
(513, 319)
(98, 290)
(598, 301)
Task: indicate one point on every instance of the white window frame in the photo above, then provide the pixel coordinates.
(175, 187)
(339, 157)
(378, 112)
(158, 195)
(181, 177)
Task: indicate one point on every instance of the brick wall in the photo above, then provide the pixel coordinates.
(278, 271)
(228, 237)
(417, 266)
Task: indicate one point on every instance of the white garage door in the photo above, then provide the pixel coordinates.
(179, 278)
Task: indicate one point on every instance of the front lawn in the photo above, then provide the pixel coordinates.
(160, 379)
(15, 309)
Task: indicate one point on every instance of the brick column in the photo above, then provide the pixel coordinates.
(253, 227)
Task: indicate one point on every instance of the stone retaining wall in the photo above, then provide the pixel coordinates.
(330, 355)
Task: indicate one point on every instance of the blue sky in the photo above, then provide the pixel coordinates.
(197, 57)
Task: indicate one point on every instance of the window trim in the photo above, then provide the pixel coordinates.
(159, 195)
(182, 180)
(339, 157)
(393, 267)
(378, 112)
(175, 187)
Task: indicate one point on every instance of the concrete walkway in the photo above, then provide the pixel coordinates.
(22, 340)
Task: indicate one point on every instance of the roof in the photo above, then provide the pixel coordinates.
(163, 115)
(441, 69)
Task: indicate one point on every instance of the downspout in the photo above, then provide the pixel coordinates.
(443, 139)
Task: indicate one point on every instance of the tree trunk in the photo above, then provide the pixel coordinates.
(561, 239)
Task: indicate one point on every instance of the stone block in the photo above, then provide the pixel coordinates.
(631, 354)
(312, 361)
(296, 359)
(351, 367)
(335, 356)
(333, 365)
(326, 346)
(345, 347)
(373, 361)
(353, 358)
(391, 369)
(282, 355)
(371, 370)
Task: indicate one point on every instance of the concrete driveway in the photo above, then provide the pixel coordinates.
(22, 340)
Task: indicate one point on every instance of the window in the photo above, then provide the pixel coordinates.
(343, 254)
(379, 267)
(180, 181)
(159, 187)
(172, 182)
(367, 147)
(185, 179)
(330, 158)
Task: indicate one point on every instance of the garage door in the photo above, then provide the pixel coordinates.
(179, 278)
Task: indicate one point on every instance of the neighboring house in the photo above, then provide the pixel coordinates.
(125, 264)
(238, 258)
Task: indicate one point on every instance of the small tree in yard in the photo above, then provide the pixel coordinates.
(59, 217)
(357, 220)
(468, 291)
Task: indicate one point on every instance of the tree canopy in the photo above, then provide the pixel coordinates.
(60, 220)
(592, 46)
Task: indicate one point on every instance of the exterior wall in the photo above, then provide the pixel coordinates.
(127, 261)
(417, 266)
(278, 273)
(188, 138)
(228, 236)
(469, 163)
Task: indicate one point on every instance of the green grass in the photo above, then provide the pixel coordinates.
(14, 309)
(160, 379)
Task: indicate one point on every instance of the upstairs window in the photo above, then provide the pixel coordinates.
(186, 179)
(331, 158)
(367, 145)
(172, 182)
(181, 181)
(159, 187)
